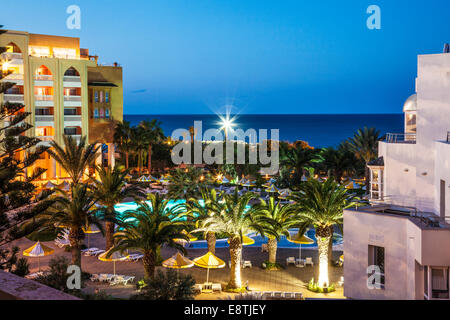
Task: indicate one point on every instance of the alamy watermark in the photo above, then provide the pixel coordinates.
(374, 279)
(74, 280)
(374, 20)
(208, 148)
(74, 19)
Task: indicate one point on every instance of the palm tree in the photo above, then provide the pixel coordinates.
(297, 157)
(139, 145)
(365, 146)
(321, 204)
(152, 133)
(234, 220)
(122, 138)
(338, 161)
(276, 219)
(110, 189)
(75, 212)
(74, 158)
(149, 227)
(200, 210)
(186, 183)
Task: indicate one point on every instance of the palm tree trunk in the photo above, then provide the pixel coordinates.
(126, 160)
(272, 247)
(74, 239)
(149, 165)
(109, 234)
(140, 162)
(149, 261)
(211, 241)
(323, 235)
(235, 255)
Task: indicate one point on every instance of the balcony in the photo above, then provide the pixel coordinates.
(44, 120)
(72, 82)
(72, 120)
(12, 55)
(41, 100)
(43, 80)
(14, 78)
(13, 98)
(72, 101)
(401, 138)
(76, 137)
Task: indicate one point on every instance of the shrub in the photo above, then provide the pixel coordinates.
(22, 268)
(169, 285)
(271, 266)
(57, 276)
(314, 287)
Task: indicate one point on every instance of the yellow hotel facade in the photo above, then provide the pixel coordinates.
(66, 91)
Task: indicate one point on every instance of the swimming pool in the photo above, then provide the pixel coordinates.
(222, 243)
(259, 240)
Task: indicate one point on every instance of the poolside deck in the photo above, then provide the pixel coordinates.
(290, 279)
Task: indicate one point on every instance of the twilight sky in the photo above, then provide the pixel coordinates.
(285, 56)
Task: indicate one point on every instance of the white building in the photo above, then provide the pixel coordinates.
(406, 232)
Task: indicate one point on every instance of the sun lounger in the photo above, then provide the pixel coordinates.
(247, 264)
(299, 263)
(198, 287)
(95, 277)
(278, 294)
(290, 260)
(309, 261)
(216, 287)
(34, 275)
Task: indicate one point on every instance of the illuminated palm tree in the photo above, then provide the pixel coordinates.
(234, 220)
(148, 228)
(74, 211)
(321, 204)
(74, 157)
(276, 219)
(200, 210)
(110, 189)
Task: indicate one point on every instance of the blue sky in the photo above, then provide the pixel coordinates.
(259, 56)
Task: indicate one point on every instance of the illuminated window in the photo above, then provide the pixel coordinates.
(102, 113)
(106, 113)
(95, 113)
(101, 96)
(107, 97)
(37, 51)
(96, 96)
(64, 53)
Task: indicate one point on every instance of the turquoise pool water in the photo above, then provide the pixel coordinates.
(222, 243)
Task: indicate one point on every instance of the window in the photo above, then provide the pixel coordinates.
(101, 96)
(70, 111)
(376, 258)
(95, 113)
(439, 283)
(70, 131)
(107, 97)
(376, 184)
(43, 112)
(96, 96)
(102, 113)
(107, 113)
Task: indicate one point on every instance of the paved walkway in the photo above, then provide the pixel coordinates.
(290, 279)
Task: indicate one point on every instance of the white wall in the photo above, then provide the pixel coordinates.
(399, 172)
(442, 172)
(433, 122)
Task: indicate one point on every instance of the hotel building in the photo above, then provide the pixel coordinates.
(66, 91)
(405, 233)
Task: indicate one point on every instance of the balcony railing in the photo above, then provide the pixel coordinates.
(72, 79)
(72, 118)
(13, 98)
(72, 98)
(43, 97)
(46, 138)
(43, 77)
(13, 76)
(12, 55)
(401, 138)
(44, 118)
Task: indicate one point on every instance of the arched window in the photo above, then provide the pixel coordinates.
(43, 70)
(12, 47)
(71, 72)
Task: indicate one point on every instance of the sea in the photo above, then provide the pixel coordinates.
(319, 130)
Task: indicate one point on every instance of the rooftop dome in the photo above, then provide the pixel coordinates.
(410, 103)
